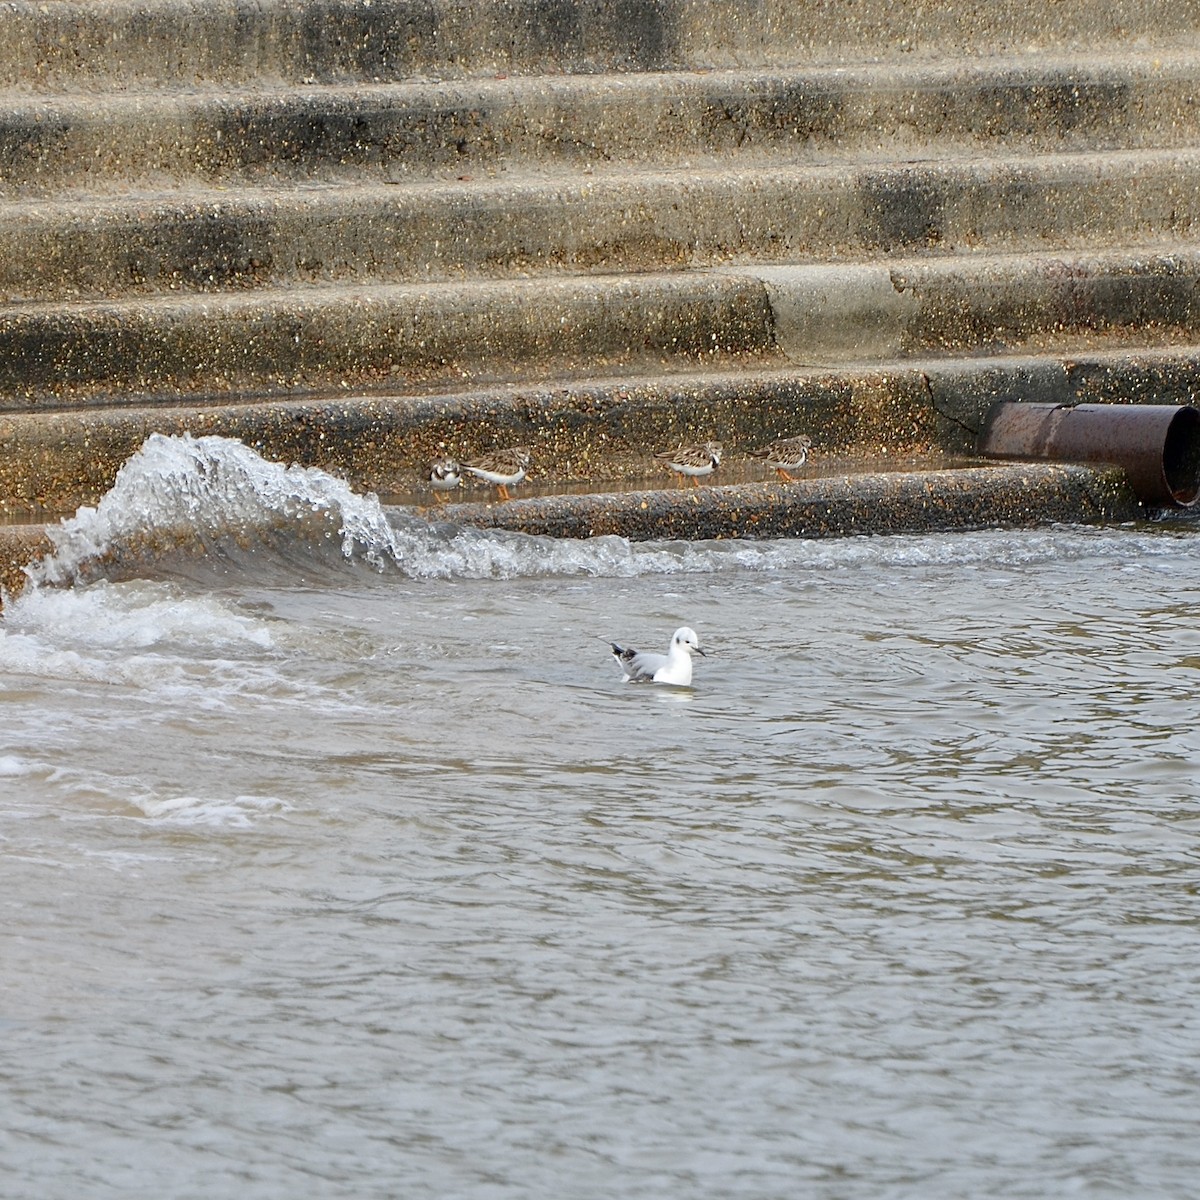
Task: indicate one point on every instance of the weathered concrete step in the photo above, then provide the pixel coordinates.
(626, 221)
(304, 340)
(176, 43)
(20, 546)
(1002, 303)
(123, 142)
(909, 502)
(600, 433)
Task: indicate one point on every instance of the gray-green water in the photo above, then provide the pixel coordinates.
(323, 880)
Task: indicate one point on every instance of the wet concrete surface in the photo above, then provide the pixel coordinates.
(363, 234)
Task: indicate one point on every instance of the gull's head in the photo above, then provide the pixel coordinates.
(685, 638)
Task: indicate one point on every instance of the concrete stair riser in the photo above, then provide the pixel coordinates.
(1011, 304)
(911, 307)
(180, 42)
(86, 144)
(899, 502)
(210, 241)
(58, 460)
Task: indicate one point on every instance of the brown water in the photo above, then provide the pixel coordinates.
(323, 879)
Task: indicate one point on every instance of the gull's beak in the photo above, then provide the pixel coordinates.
(700, 652)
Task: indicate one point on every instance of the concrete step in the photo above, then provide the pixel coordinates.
(179, 43)
(136, 142)
(406, 336)
(613, 221)
(596, 435)
(306, 339)
(1133, 296)
(865, 502)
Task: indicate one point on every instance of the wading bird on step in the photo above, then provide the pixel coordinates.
(785, 455)
(693, 461)
(504, 468)
(444, 476)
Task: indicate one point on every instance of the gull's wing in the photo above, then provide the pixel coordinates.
(638, 665)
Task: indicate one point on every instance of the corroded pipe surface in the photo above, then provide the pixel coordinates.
(1157, 445)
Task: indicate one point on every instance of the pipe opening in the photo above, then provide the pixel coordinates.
(1181, 457)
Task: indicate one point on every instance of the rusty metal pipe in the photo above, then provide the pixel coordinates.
(1157, 445)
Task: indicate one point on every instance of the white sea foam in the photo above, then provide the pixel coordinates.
(22, 655)
(134, 616)
(86, 791)
(480, 554)
(132, 634)
(236, 812)
(13, 767)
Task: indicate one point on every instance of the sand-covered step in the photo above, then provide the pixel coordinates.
(121, 142)
(179, 43)
(624, 221)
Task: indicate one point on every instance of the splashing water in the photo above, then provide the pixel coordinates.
(214, 497)
(213, 500)
(212, 487)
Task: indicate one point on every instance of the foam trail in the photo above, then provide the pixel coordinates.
(238, 812)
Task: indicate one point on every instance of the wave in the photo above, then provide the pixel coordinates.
(200, 507)
(186, 498)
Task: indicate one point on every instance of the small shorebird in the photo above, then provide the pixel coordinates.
(785, 455)
(692, 461)
(674, 667)
(444, 476)
(504, 468)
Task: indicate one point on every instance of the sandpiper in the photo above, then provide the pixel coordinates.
(692, 461)
(785, 455)
(505, 468)
(444, 476)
